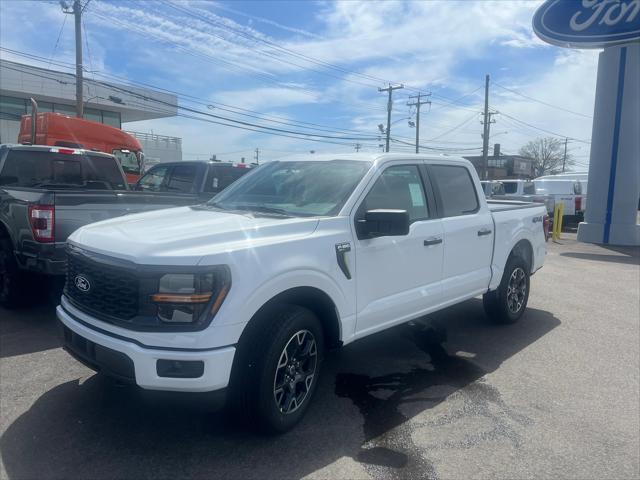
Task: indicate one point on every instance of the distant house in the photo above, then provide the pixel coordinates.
(504, 166)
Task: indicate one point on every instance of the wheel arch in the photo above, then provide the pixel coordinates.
(524, 250)
(311, 298)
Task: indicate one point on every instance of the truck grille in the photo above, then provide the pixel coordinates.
(101, 288)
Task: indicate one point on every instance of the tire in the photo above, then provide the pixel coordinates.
(278, 368)
(11, 278)
(508, 303)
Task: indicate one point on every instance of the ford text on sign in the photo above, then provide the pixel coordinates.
(588, 23)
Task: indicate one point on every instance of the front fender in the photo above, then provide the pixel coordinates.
(244, 305)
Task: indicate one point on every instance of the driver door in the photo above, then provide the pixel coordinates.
(398, 277)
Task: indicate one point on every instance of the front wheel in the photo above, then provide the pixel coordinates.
(509, 301)
(279, 372)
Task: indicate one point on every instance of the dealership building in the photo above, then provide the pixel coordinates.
(105, 102)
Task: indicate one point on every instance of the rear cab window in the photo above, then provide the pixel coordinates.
(221, 176)
(47, 169)
(457, 191)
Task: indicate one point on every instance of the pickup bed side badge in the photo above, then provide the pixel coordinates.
(341, 250)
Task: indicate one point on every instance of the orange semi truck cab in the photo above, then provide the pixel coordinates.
(64, 131)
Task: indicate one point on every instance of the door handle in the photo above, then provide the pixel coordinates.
(432, 241)
(484, 231)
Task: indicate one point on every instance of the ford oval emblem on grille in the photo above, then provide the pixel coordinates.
(82, 283)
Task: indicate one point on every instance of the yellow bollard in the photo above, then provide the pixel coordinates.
(558, 213)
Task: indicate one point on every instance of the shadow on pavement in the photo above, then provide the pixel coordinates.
(366, 398)
(601, 257)
(27, 330)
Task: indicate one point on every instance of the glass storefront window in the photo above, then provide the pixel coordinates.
(111, 118)
(44, 107)
(12, 108)
(93, 115)
(65, 109)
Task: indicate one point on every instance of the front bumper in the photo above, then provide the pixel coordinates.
(126, 360)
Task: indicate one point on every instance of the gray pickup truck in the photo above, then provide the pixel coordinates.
(46, 193)
(198, 180)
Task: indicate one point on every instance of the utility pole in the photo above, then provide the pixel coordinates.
(77, 13)
(564, 159)
(417, 104)
(256, 157)
(485, 135)
(358, 147)
(487, 129)
(390, 90)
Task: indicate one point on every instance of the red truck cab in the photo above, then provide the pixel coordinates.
(64, 131)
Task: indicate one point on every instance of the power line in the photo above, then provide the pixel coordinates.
(464, 122)
(232, 122)
(540, 101)
(544, 130)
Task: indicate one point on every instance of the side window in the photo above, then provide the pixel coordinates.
(577, 188)
(182, 179)
(456, 190)
(529, 188)
(398, 188)
(153, 180)
(221, 177)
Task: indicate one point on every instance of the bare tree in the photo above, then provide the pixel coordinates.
(547, 155)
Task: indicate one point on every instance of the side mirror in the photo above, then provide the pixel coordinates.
(383, 223)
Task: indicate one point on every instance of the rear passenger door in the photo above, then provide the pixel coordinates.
(468, 233)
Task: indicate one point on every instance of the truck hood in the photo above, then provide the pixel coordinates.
(182, 236)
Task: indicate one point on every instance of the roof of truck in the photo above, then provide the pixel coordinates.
(372, 157)
(49, 148)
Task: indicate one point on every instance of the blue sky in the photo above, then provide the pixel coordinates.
(321, 62)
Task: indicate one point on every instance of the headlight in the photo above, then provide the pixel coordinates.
(189, 298)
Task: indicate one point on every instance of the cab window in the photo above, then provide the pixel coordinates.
(182, 179)
(398, 188)
(154, 180)
(456, 188)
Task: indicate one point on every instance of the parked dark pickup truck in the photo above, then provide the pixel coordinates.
(46, 193)
(197, 180)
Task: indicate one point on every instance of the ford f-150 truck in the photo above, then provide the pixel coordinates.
(243, 295)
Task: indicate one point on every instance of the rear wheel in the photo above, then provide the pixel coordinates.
(11, 278)
(509, 301)
(278, 369)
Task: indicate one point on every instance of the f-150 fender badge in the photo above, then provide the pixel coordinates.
(341, 251)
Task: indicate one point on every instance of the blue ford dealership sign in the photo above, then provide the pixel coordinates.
(588, 23)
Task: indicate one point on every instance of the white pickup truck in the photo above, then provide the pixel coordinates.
(244, 294)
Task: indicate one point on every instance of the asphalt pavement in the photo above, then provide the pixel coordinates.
(555, 396)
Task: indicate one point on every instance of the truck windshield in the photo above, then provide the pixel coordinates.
(303, 188)
(45, 169)
(128, 160)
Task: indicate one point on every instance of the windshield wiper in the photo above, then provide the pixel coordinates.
(263, 209)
